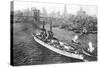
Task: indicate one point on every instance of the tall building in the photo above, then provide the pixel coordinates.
(58, 14)
(65, 11)
(44, 12)
(32, 11)
(81, 13)
(26, 12)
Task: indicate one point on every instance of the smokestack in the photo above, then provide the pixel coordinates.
(51, 25)
(43, 24)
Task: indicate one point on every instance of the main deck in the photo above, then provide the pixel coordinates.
(62, 52)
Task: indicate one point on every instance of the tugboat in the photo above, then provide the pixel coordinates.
(47, 40)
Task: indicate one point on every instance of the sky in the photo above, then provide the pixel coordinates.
(55, 7)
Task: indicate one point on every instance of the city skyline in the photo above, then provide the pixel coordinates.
(51, 7)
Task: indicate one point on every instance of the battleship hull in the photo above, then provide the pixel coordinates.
(68, 54)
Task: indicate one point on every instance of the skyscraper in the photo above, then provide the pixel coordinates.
(65, 11)
(44, 11)
(81, 12)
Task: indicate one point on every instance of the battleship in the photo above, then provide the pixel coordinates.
(47, 40)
